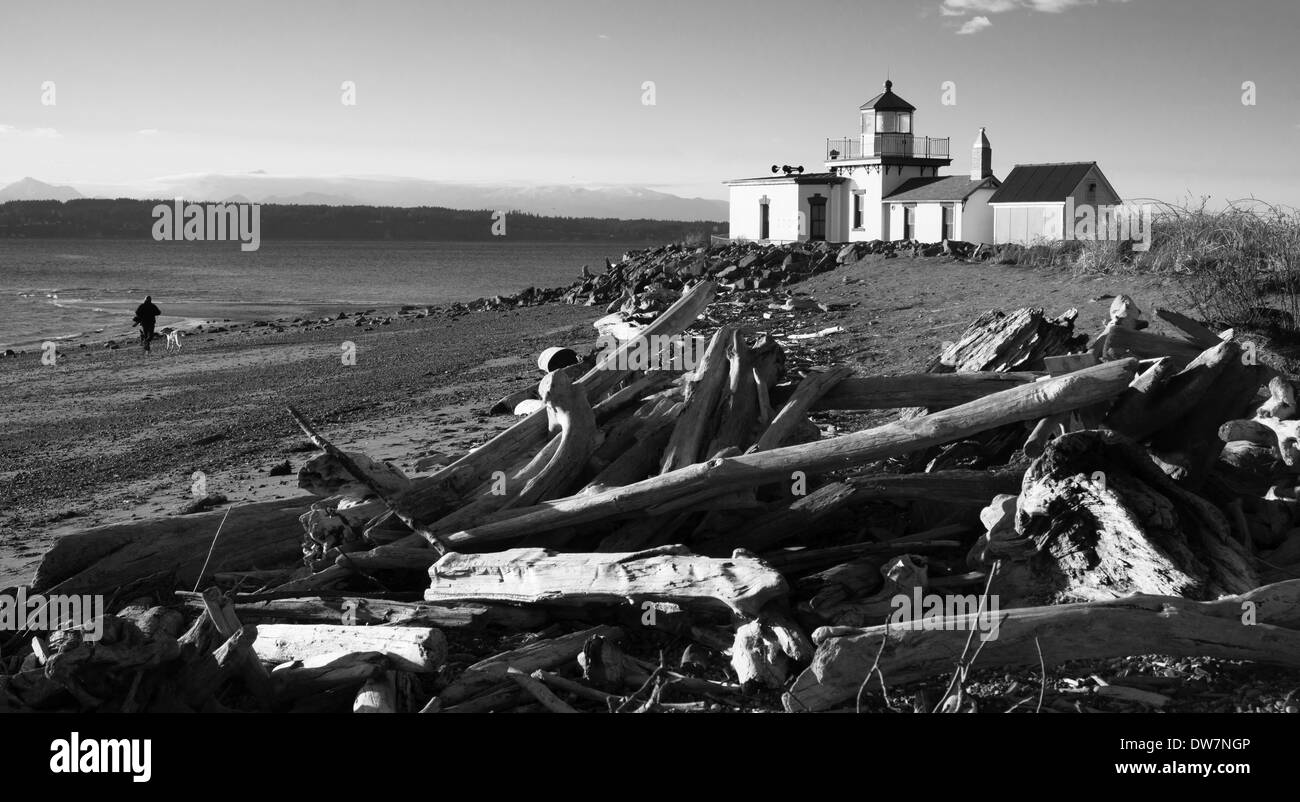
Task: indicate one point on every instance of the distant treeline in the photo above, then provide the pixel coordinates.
(127, 218)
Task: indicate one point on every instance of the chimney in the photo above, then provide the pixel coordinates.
(981, 158)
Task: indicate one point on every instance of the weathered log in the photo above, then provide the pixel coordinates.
(1192, 443)
(955, 486)
(1195, 333)
(1134, 413)
(1096, 519)
(641, 458)
(378, 695)
(739, 424)
(205, 676)
(326, 474)
(1027, 402)
(538, 690)
(668, 573)
(569, 415)
(793, 562)
(697, 420)
(540, 654)
(431, 498)
(1018, 341)
(625, 433)
(933, 390)
(363, 611)
(326, 672)
(1164, 406)
(769, 366)
(643, 533)
(813, 387)
(416, 649)
(1120, 343)
(757, 658)
(107, 559)
(801, 518)
(1143, 624)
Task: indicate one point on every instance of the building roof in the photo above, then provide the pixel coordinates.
(1041, 183)
(887, 101)
(938, 188)
(805, 178)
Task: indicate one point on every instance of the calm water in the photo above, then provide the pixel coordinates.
(55, 289)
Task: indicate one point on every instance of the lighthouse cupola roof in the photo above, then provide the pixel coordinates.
(887, 101)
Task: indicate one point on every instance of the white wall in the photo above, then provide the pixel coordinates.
(875, 183)
(783, 206)
(929, 222)
(1027, 223)
(977, 218)
(1104, 196)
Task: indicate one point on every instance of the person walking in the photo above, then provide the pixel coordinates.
(146, 314)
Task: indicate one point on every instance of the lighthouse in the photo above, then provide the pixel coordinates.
(886, 153)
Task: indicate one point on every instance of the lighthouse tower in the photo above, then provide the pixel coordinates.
(885, 153)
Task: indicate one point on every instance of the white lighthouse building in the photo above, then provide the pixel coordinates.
(883, 183)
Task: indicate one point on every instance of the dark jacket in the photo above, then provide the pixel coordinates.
(147, 312)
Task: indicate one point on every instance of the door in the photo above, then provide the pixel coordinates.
(764, 221)
(817, 218)
(945, 228)
(909, 221)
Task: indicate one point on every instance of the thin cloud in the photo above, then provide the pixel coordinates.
(47, 133)
(958, 8)
(148, 132)
(974, 25)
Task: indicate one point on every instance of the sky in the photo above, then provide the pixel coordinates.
(555, 92)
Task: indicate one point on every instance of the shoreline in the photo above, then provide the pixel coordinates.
(116, 435)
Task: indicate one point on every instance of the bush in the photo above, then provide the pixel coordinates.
(1239, 267)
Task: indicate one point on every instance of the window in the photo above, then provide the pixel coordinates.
(764, 220)
(886, 122)
(1092, 193)
(904, 123)
(857, 210)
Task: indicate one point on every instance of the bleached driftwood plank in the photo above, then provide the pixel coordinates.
(668, 573)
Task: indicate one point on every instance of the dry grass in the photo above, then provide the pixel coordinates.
(1237, 267)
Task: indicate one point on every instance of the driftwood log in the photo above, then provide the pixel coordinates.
(668, 573)
(363, 611)
(1097, 518)
(1028, 402)
(416, 649)
(106, 559)
(1142, 624)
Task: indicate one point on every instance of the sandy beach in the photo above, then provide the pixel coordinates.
(113, 435)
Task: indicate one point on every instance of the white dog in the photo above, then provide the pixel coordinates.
(173, 339)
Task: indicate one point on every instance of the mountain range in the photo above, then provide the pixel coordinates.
(554, 200)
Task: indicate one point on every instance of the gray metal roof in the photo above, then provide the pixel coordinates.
(793, 178)
(938, 188)
(1041, 183)
(887, 101)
